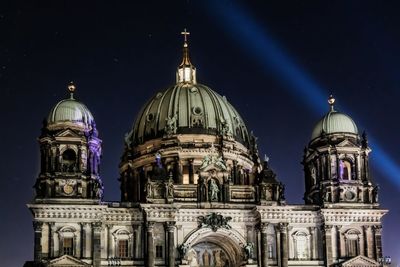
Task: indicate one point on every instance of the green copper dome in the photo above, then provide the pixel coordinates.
(334, 122)
(188, 108)
(71, 112)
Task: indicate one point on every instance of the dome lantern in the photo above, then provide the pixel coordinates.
(186, 72)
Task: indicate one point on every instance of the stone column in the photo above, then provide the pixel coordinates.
(104, 241)
(235, 173)
(57, 159)
(109, 247)
(357, 167)
(328, 245)
(378, 241)
(342, 245)
(334, 244)
(264, 244)
(284, 244)
(178, 171)
(278, 245)
(54, 241)
(37, 227)
(370, 242)
(96, 244)
(79, 159)
(314, 241)
(362, 242)
(150, 244)
(135, 240)
(77, 249)
(191, 172)
(329, 165)
(170, 234)
(88, 241)
(312, 244)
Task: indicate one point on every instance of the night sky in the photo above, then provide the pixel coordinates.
(271, 60)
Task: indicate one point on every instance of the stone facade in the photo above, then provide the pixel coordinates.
(194, 192)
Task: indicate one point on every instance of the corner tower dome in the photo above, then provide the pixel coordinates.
(334, 122)
(70, 113)
(187, 108)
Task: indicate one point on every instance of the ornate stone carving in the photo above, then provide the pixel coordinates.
(213, 190)
(249, 250)
(170, 126)
(215, 160)
(183, 249)
(214, 221)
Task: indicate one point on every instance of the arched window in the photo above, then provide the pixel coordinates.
(68, 160)
(345, 170)
(301, 245)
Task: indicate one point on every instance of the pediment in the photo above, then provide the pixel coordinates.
(68, 133)
(213, 162)
(67, 261)
(360, 261)
(347, 143)
(215, 167)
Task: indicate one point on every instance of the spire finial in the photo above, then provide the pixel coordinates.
(186, 71)
(331, 101)
(71, 88)
(185, 34)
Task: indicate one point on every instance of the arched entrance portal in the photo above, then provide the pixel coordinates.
(222, 248)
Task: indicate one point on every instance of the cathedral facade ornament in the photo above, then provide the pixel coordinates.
(214, 221)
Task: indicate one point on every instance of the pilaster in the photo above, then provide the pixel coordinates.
(150, 244)
(170, 234)
(264, 244)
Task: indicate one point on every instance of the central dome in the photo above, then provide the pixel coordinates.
(187, 108)
(192, 109)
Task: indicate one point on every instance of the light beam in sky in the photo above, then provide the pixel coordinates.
(259, 44)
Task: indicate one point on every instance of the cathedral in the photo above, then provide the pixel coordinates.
(194, 191)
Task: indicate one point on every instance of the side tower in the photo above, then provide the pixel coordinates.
(68, 188)
(70, 155)
(337, 178)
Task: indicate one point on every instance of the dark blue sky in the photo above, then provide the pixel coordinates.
(120, 54)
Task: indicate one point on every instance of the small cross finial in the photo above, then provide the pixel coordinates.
(185, 34)
(331, 101)
(71, 88)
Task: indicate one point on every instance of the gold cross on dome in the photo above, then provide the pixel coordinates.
(185, 34)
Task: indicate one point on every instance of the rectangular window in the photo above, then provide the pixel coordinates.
(159, 251)
(123, 248)
(68, 246)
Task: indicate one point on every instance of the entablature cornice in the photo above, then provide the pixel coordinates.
(68, 211)
(338, 216)
(290, 214)
(85, 212)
